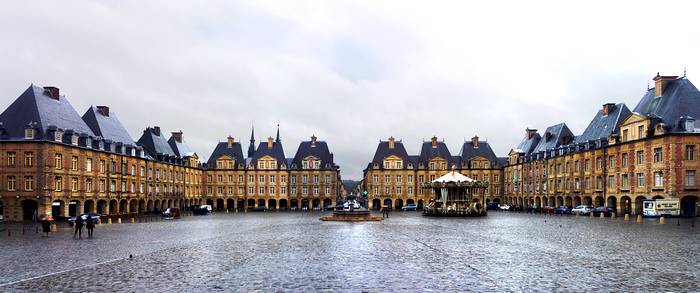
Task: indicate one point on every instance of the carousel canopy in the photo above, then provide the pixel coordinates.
(453, 177)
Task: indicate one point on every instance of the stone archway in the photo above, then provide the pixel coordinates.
(689, 206)
(2, 210)
(328, 204)
(625, 205)
(230, 204)
(612, 203)
(387, 202)
(638, 202)
(568, 201)
(261, 202)
(149, 205)
(420, 203)
(283, 204)
(316, 203)
(123, 206)
(577, 201)
(376, 204)
(272, 204)
(142, 206)
(219, 204)
(101, 207)
(251, 203)
(587, 200)
(240, 204)
(73, 208)
(294, 203)
(398, 204)
(89, 206)
(304, 203)
(552, 201)
(537, 202)
(560, 201)
(599, 201)
(57, 207)
(30, 210)
(410, 201)
(133, 206)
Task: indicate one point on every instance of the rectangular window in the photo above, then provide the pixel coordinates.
(283, 190)
(102, 166)
(640, 157)
(11, 183)
(658, 179)
(58, 161)
(11, 156)
(690, 152)
(28, 183)
(272, 190)
(113, 186)
(58, 183)
(690, 178)
(420, 179)
(272, 178)
(251, 179)
(328, 189)
(611, 162)
(658, 155)
(315, 190)
(315, 179)
(376, 179)
(410, 190)
(262, 190)
(305, 179)
(261, 178)
(28, 159)
(74, 163)
(398, 178)
(587, 165)
(88, 164)
(74, 184)
(625, 181)
(624, 160)
(640, 180)
(294, 179)
(102, 185)
(304, 190)
(328, 179)
(625, 136)
(410, 178)
(386, 179)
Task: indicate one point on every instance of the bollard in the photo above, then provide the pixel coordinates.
(53, 227)
(227, 211)
(37, 230)
(678, 223)
(612, 216)
(99, 221)
(109, 221)
(577, 215)
(9, 233)
(627, 217)
(662, 221)
(132, 220)
(639, 218)
(602, 215)
(590, 215)
(119, 220)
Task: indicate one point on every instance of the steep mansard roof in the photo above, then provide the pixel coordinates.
(178, 145)
(528, 144)
(37, 105)
(276, 151)
(553, 137)
(469, 151)
(383, 151)
(105, 123)
(318, 149)
(154, 143)
(603, 125)
(439, 150)
(679, 98)
(235, 151)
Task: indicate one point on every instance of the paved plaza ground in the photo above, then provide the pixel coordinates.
(295, 251)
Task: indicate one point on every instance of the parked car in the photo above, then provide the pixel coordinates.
(409, 207)
(492, 206)
(95, 217)
(201, 210)
(548, 210)
(516, 208)
(533, 209)
(562, 210)
(504, 207)
(171, 213)
(260, 209)
(330, 207)
(603, 210)
(582, 210)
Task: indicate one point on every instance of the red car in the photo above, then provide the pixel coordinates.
(548, 210)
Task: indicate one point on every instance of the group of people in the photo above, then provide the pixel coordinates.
(89, 223)
(385, 211)
(78, 225)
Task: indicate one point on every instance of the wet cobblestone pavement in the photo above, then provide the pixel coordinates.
(274, 252)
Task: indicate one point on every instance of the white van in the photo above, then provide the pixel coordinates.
(661, 208)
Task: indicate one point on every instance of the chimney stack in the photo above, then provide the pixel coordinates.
(660, 82)
(392, 142)
(475, 141)
(229, 140)
(177, 135)
(104, 110)
(313, 139)
(270, 140)
(607, 108)
(52, 92)
(433, 141)
(530, 132)
(156, 130)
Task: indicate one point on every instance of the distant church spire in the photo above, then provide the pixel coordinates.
(251, 147)
(278, 133)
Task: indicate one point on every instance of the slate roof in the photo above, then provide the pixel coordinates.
(527, 145)
(553, 137)
(502, 161)
(108, 127)
(384, 151)
(318, 149)
(180, 148)
(428, 152)
(679, 98)
(36, 105)
(276, 152)
(603, 125)
(222, 149)
(155, 144)
(469, 152)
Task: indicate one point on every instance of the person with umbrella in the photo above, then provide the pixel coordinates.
(90, 225)
(46, 224)
(78, 227)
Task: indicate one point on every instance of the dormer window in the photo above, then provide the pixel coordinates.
(133, 152)
(305, 165)
(58, 135)
(689, 125)
(29, 133)
(101, 145)
(317, 164)
(74, 140)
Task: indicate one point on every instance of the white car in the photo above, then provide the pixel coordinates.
(582, 210)
(504, 207)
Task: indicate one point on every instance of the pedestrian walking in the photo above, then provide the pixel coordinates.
(90, 225)
(78, 227)
(387, 211)
(46, 225)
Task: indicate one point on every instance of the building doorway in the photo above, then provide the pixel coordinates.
(30, 209)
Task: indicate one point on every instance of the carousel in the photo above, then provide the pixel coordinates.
(456, 195)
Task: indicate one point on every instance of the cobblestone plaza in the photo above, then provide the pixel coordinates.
(297, 252)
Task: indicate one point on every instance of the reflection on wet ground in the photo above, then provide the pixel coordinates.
(408, 252)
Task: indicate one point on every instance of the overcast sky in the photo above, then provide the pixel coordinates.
(349, 72)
